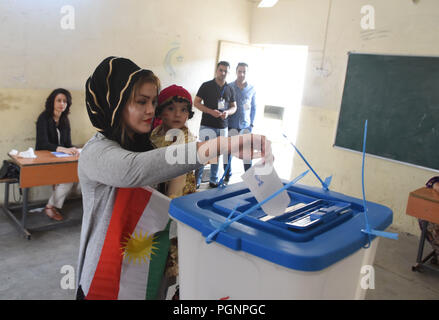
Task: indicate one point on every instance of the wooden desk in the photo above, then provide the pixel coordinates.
(46, 169)
(423, 204)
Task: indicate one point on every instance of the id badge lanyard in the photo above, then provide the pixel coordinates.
(221, 102)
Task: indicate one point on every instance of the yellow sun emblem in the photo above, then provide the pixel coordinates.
(138, 247)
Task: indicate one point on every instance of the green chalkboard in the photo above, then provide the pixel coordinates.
(399, 96)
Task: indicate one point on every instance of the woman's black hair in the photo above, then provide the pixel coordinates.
(137, 143)
(50, 103)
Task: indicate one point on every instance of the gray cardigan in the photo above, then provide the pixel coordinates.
(103, 167)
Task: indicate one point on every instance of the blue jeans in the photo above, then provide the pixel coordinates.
(247, 165)
(207, 133)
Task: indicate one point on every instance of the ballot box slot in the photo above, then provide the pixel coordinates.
(304, 218)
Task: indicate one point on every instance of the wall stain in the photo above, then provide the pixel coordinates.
(5, 102)
(374, 34)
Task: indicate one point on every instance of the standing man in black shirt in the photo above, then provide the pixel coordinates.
(216, 99)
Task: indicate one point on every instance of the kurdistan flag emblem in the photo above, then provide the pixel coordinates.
(139, 247)
(135, 249)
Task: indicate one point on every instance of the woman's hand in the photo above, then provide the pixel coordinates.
(249, 146)
(246, 146)
(72, 151)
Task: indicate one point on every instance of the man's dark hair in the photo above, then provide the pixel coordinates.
(241, 64)
(223, 63)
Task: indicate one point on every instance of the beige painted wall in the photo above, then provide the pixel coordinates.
(176, 39)
(401, 27)
(37, 55)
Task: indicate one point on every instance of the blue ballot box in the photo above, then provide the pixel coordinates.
(315, 250)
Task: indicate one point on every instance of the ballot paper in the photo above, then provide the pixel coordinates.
(264, 185)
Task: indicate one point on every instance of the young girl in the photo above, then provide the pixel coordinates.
(174, 109)
(53, 134)
(118, 161)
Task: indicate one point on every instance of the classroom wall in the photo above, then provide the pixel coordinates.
(401, 27)
(176, 39)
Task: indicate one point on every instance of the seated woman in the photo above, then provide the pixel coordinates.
(53, 134)
(432, 234)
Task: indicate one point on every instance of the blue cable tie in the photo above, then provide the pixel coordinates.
(368, 230)
(384, 234)
(325, 183)
(221, 182)
(250, 210)
(222, 226)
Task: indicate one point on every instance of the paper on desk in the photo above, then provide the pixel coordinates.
(263, 186)
(29, 153)
(61, 154)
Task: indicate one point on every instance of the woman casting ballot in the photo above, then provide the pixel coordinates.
(121, 99)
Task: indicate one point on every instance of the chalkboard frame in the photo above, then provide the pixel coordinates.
(340, 110)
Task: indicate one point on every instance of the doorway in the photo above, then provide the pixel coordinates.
(278, 73)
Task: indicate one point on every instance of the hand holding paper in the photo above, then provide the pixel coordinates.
(249, 146)
(264, 185)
